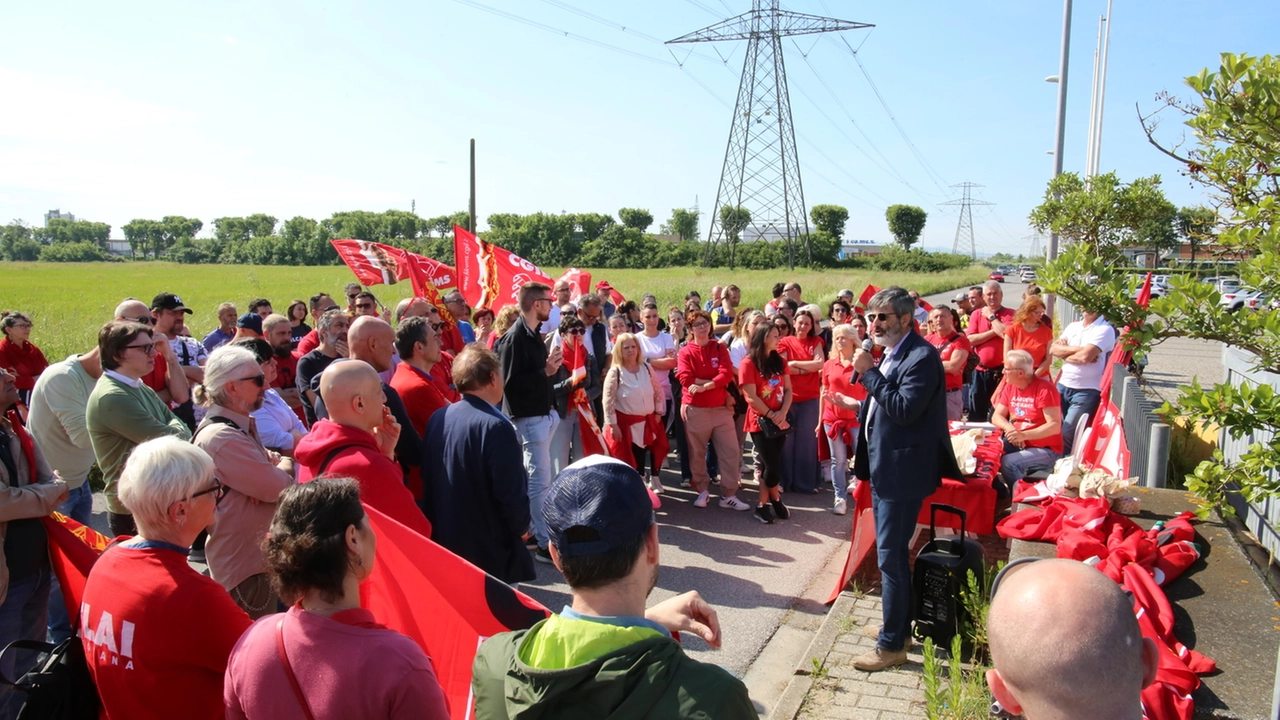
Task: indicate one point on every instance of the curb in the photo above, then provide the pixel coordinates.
(788, 706)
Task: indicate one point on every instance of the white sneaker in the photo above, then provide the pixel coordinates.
(841, 506)
(703, 497)
(733, 503)
(655, 484)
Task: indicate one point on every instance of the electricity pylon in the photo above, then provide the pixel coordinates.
(761, 171)
(965, 228)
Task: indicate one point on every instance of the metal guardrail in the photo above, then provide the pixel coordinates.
(1262, 519)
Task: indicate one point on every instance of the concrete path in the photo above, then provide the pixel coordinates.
(1176, 361)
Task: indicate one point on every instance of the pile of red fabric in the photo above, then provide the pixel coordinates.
(1140, 561)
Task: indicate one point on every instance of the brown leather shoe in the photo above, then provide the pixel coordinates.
(879, 659)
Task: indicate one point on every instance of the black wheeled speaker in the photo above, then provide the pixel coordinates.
(941, 572)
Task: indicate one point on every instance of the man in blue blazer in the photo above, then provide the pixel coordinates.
(905, 451)
(474, 487)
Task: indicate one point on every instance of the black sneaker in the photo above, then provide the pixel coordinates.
(542, 555)
(764, 514)
(531, 542)
(780, 510)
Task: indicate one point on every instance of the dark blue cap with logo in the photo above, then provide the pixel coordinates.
(250, 321)
(595, 505)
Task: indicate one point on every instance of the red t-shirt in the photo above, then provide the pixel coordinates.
(286, 372)
(158, 378)
(990, 352)
(309, 342)
(699, 363)
(27, 362)
(157, 635)
(804, 386)
(770, 389)
(835, 378)
(1026, 408)
(1036, 342)
(946, 348)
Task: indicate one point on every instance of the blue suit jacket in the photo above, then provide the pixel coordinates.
(474, 488)
(906, 446)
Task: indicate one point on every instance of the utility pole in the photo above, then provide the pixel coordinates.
(965, 228)
(1093, 158)
(1063, 65)
(472, 207)
(761, 171)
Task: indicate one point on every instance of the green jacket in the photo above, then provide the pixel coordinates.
(119, 419)
(648, 678)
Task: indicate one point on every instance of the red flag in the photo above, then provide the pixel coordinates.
(609, 294)
(579, 283)
(444, 603)
(575, 356)
(73, 549)
(378, 264)
(866, 296)
(1144, 295)
(488, 275)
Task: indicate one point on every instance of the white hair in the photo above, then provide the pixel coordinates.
(842, 330)
(227, 363)
(1020, 359)
(159, 473)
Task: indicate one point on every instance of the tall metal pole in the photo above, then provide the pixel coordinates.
(1093, 104)
(472, 207)
(1102, 93)
(1063, 66)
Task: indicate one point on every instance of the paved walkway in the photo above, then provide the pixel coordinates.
(837, 691)
(1176, 361)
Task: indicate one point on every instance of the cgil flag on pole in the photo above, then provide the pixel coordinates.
(488, 275)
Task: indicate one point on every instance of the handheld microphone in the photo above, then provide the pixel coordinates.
(868, 344)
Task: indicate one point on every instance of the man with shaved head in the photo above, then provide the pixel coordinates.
(372, 340)
(358, 440)
(1065, 644)
(411, 307)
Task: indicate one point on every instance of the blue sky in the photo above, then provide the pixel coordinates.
(142, 109)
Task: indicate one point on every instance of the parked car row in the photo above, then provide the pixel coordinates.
(1023, 273)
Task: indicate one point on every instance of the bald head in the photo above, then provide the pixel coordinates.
(372, 340)
(352, 394)
(1065, 644)
(411, 307)
(133, 310)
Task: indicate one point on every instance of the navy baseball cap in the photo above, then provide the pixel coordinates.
(596, 505)
(250, 321)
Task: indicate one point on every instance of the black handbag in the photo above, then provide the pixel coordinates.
(772, 431)
(60, 686)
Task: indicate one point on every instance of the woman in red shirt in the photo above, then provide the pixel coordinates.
(156, 633)
(765, 380)
(805, 354)
(1031, 331)
(18, 354)
(841, 401)
(320, 549)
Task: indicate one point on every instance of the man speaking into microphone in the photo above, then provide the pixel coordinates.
(905, 451)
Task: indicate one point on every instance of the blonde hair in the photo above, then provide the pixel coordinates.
(617, 348)
(505, 318)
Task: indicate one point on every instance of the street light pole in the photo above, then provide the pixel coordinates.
(1063, 66)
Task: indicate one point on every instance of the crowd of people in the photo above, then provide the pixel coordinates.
(484, 431)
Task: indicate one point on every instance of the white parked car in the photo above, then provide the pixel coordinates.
(1241, 298)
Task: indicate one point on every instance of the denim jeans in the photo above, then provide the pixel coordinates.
(535, 439)
(895, 526)
(22, 617)
(1015, 464)
(79, 507)
(983, 385)
(1075, 405)
(839, 460)
(566, 444)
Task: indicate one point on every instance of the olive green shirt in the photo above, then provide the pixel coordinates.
(119, 417)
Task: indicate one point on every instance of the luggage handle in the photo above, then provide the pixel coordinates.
(933, 519)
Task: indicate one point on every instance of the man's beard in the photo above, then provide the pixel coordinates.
(280, 351)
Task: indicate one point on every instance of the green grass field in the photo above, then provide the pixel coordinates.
(69, 302)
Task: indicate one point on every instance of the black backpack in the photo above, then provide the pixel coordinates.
(59, 686)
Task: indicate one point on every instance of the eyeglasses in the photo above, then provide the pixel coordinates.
(258, 380)
(700, 324)
(437, 326)
(352, 298)
(22, 326)
(145, 320)
(543, 299)
(575, 331)
(880, 317)
(839, 311)
(219, 491)
(147, 349)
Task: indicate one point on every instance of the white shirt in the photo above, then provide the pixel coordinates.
(123, 378)
(635, 397)
(885, 362)
(275, 419)
(657, 347)
(195, 352)
(738, 350)
(1099, 334)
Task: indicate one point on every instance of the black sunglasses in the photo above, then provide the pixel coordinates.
(880, 317)
(258, 380)
(147, 348)
(575, 331)
(219, 491)
(437, 326)
(145, 320)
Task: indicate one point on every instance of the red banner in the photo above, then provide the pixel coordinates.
(446, 604)
(866, 296)
(377, 264)
(488, 275)
(73, 549)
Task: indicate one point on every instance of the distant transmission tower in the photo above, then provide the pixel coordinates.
(965, 228)
(1037, 247)
(761, 169)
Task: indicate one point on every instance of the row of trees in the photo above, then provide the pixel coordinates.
(1235, 156)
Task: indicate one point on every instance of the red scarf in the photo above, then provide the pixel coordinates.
(655, 438)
